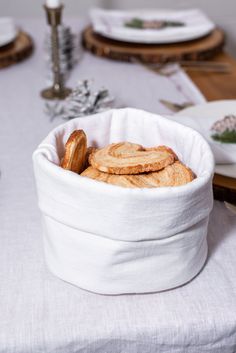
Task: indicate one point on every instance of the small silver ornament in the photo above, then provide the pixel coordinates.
(81, 102)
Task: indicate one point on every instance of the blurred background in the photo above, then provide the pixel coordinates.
(222, 12)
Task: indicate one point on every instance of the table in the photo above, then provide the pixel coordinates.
(40, 313)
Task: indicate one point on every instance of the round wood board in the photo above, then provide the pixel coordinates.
(16, 51)
(224, 188)
(200, 49)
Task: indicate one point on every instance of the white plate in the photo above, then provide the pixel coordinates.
(8, 30)
(201, 118)
(111, 24)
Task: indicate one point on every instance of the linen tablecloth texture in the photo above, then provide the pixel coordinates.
(40, 313)
(139, 240)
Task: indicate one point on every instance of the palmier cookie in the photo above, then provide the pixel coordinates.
(75, 153)
(89, 152)
(175, 174)
(129, 158)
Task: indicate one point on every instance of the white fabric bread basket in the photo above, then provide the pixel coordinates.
(113, 240)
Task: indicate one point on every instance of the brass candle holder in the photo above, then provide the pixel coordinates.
(57, 91)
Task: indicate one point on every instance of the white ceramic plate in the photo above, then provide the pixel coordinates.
(110, 23)
(201, 118)
(8, 31)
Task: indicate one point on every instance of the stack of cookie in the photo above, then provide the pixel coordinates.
(125, 164)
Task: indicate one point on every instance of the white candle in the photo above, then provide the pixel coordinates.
(53, 3)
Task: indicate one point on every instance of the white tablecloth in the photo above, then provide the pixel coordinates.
(40, 313)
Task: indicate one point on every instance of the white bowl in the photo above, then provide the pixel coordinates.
(8, 30)
(114, 240)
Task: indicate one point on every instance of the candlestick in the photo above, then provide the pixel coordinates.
(57, 91)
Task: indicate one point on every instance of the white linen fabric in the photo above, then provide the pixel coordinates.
(135, 234)
(110, 23)
(41, 313)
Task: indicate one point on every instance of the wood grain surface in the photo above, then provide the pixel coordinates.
(20, 49)
(217, 86)
(199, 49)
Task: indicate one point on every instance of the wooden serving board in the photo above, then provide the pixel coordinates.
(224, 188)
(200, 49)
(20, 49)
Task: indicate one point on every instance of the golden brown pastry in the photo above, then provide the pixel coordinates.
(173, 175)
(75, 152)
(89, 152)
(130, 158)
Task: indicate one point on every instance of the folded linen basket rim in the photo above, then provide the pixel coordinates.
(90, 183)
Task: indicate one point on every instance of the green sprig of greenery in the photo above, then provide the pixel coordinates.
(228, 136)
(138, 23)
(135, 23)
